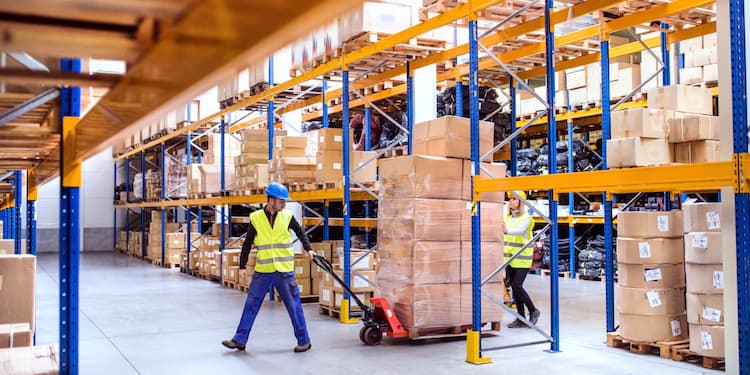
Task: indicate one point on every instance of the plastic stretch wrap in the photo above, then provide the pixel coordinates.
(492, 259)
(419, 262)
(423, 306)
(138, 186)
(491, 311)
(420, 219)
(420, 177)
(491, 215)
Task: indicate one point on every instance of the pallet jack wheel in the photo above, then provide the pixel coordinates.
(362, 334)
(372, 336)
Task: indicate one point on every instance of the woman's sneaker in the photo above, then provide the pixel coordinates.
(517, 324)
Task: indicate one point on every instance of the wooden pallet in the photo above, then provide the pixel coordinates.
(241, 288)
(229, 284)
(206, 276)
(167, 265)
(334, 312)
(682, 353)
(304, 299)
(663, 348)
(331, 185)
(396, 151)
(566, 274)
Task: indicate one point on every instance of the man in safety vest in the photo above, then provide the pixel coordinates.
(269, 232)
(517, 228)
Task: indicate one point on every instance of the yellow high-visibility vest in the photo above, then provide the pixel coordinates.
(275, 250)
(513, 243)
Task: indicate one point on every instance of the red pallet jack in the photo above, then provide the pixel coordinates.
(377, 318)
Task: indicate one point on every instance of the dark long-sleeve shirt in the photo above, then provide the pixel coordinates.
(251, 232)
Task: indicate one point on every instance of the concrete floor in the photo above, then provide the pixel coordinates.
(139, 319)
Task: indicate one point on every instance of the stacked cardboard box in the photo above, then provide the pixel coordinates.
(424, 228)
(9, 246)
(302, 272)
(37, 360)
(695, 138)
(252, 164)
(323, 249)
(209, 256)
(640, 135)
(205, 177)
(651, 291)
(176, 175)
(134, 244)
(122, 241)
(174, 245)
(700, 59)
(705, 278)
(17, 293)
(230, 265)
(290, 163)
(15, 335)
(329, 155)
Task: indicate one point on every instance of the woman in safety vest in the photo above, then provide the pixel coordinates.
(517, 229)
(269, 232)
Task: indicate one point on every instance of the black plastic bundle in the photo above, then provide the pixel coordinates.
(591, 260)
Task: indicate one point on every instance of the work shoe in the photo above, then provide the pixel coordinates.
(517, 324)
(534, 317)
(302, 348)
(231, 344)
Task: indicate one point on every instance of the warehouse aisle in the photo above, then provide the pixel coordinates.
(138, 319)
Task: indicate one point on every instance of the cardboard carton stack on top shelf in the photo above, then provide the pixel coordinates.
(651, 292)
(205, 177)
(695, 138)
(290, 163)
(640, 135)
(251, 165)
(328, 146)
(424, 227)
(705, 278)
(701, 59)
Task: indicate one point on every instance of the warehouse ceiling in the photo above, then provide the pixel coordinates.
(173, 50)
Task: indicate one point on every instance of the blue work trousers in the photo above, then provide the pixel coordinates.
(286, 285)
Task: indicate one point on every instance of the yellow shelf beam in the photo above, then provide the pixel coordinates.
(367, 223)
(677, 178)
(302, 196)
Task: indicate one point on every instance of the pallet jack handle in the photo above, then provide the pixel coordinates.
(323, 263)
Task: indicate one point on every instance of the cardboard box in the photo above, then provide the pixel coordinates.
(323, 249)
(328, 139)
(498, 171)
(424, 306)
(649, 251)
(491, 259)
(491, 215)
(706, 309)
(697, 152)
(289, 142)
(576, 77)
(420, 219)
(358, 261)
(37, 360)
(364, 297)
(358, 281)
(702, 217)
(230, 257)
(450, 136)
(329, 166)
(703, 248)
(707, 340)
(711, 71)
(289, 153)
(368, 174)
(638, 152)
(230, 274)
(305, 288)
(15, 335)
(302, 267)
(653, 328)
(689, 99)
(705, 278)
(420, 177)
(326, 295)
(649, 224)
(648, 301)
(640, 122)
(315, 286)
(655, 276)
(176, 240)
(693, 128)
(491, 311)
(17, 286)
(419, 262)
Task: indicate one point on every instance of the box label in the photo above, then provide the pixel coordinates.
(676, 329)
(326, 294)
(644, 249)
(653, 298)
(298, 270)
(653, 275)
(700, 241)
(707, 342)
(718, 280)
(712, 220)
(337, 138)
(711, 314)
(336, 165)
(662, 223)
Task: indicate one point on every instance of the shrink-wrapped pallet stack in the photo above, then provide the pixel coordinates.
(644, 136)
(251, 165)
(424, 228)
(651, 293)
(205, 177)
(290, 163)
(705, 278)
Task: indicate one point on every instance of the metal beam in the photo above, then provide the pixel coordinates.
(28, 61)
(43, 78)
(28, 106)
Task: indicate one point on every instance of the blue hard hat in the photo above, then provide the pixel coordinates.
(277, 190)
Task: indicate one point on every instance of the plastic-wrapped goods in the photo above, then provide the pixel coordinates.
(138, 186)
(491, 311)
(491, 216)
(419, 262)
(491, 259)
(420, 219)
(421, 177)
(423, 306)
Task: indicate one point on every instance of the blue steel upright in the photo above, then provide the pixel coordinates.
(325, 103)
(476, 266)
(17, 193)
(188, 213)
(270, 118)
(368, 113)
(222, 211)
(163, 195)
(143, 209)
(571, 198)
(127, 200)
(552, 163)
(114, 211)
(609, 271)
(347, 175)
(70, 245)
(665, 74)
(31, 226)
(409, 106)
(737, 29)
(459, 98)
(513, 143)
